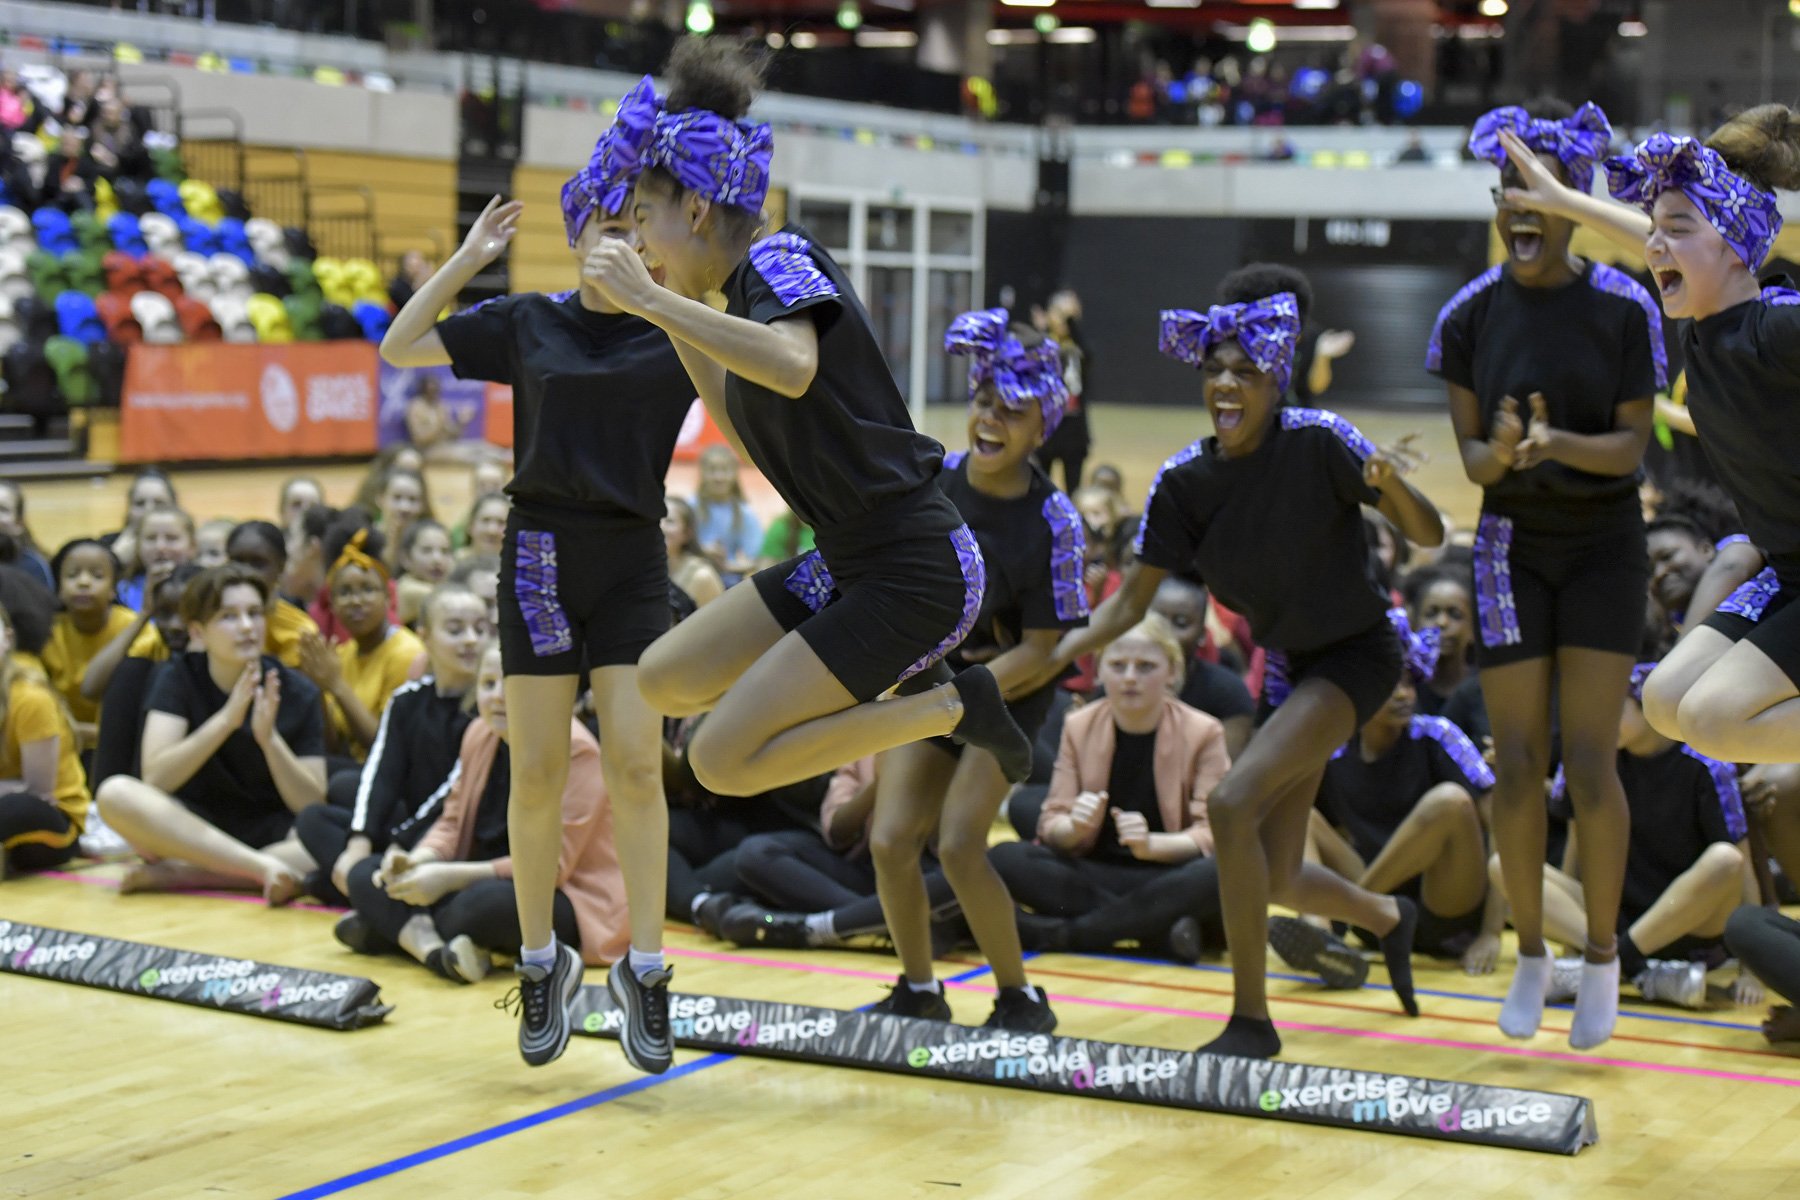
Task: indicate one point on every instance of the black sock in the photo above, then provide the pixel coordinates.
(1396, 950)
(1246, 1037)
(1631, 960)
(987, 725)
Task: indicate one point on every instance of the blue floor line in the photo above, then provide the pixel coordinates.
(1667, 1018)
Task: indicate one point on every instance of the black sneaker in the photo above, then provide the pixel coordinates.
(1308, 948)
(1014, 1009)
(754, 925)
(904, 1002)
(709, 914)
(542, 1000)
(354, 932)
(645, 1005)
(1187, 944)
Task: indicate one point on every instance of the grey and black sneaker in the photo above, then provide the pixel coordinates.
(1565, 981)
(754, 925)
(1679, 983)
(1306, 947)
(1015, 1009)
(903, 1001)
(644, 1003)
(542, 1000)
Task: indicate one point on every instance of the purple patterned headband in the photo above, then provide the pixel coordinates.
(1743, 213)
(726, 161)
(604, 185)
(1267, 329)
(1577, 143)
(1019, 376)
(1419, 651)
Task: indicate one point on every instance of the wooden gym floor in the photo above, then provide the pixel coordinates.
(110, 1095)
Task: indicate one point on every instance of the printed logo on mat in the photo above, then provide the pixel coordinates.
(699, 1017)
(223, 979)
(1397, 1099)
(21, 949)
(1041, 1057)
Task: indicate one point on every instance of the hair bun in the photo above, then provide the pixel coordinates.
(1763, 145)
(715, 74)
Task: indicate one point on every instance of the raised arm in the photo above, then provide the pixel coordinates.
(1117, 613)
(412, 339)
(1621, 224)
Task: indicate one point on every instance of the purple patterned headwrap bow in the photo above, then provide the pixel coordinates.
(604, 185)
(1577, 143)
(1019, 376)
(1267, 329)
(1418, 650)
(1743, 213)
(726, 161)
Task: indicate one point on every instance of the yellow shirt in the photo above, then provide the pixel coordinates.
(149, 644)
(287, 624)
(69, 651)
(373, 678)
(32, 714)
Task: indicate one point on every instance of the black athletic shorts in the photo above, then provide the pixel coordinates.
(1762, 612)
(579, 590)
(1364, 666)
(885, 596)
(251, 824)
(1445, 937)
(1537, 593)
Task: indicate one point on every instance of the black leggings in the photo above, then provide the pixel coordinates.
(121, 721)
(324, 829)
(35, 835)
(703, 849)
(1769, 945)
(487, 912)
(1110, 902)
(798, 872)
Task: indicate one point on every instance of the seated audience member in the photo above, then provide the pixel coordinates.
(12, 524)
(448, 902)
(165, 540)
(43, 792)
(486, 525)
(404, 499)
(430, 425)
(725, 528)
(1109, 477)
(298, 493)
(233, 748)
(210, 540)
(818, 886)
(1767, 944)
(426, 560)
(1212, 689)
(150, 489)
(1685, 870)
(145, 636)
(402, 456)
(480, 573)
(398, 792)
(1397, 812)
(689, 569)
(122, 672)
(87, 575)
(262, 548)
(359, 676)
(1124, 849)
(303, 579)
(1441, 597)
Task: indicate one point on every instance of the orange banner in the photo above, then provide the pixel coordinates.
(223, 401)
(499, 414)
(697, 433)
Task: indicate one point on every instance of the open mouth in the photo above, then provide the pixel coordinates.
(1668, 280)
(1227, 415)
(1525, 240)
(987, 447)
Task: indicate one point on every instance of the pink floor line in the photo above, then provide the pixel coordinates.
(207, 893)
(1374, 1035)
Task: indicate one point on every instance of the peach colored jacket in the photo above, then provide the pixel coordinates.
(1189, 761)
(588, 871)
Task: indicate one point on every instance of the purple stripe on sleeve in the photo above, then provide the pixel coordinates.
(1457, 745)
(1350, 435)
(1725, 782)
(1751, 599)
(786, 263)
(1187, 453)
(1068, 551)
(1434, 351)
(1618, 283)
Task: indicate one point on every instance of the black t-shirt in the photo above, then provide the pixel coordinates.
(598, 398)
(1369, 800)
(1743, 372)
(1216, 691)
(1588, 347)
(1130, 786)
(1681, 803)
(237, 777)
(1033, 546)
(848, 444)
(412, 761)
(490, 837)
(1278, 534)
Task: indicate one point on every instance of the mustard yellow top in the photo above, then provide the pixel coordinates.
(373, 677)
(288, 623)
(32, 714)
(69, 651)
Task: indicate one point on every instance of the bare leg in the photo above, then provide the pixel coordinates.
(1565, 909)
(159, 827)
(1593, 687)
(631, 756)
(1308, 887)
(909, 793)
(687, 670)
(1440, 841)
(1669, 684)
(970, 806)
(1698, 902)
(1744, 709)
(538, 711)
(1518, 703)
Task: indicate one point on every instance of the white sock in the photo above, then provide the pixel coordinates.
(930, 985)
(545, 957)
(1524, 1005)
(1597, 1005)
(821, 927)
(642, 964)
(694, 908)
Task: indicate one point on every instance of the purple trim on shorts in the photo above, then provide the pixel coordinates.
(974, 574)
(1615, 282)
(1187, 453)
(811, 582)
(1457, 745)
(785, 262)
(1068, 551)
(1494, 608)
(1725, 782)
(1434, 350)
(1780, 297)
(1751, 599)
(1350, 435)
(534, 586)
(1732, 539)
(1276, 686)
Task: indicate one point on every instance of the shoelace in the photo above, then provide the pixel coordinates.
(535, 1001)
(656, 1013)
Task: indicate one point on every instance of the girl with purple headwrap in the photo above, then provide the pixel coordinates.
(1268, 513)
(599, 399)
(1552, 364)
